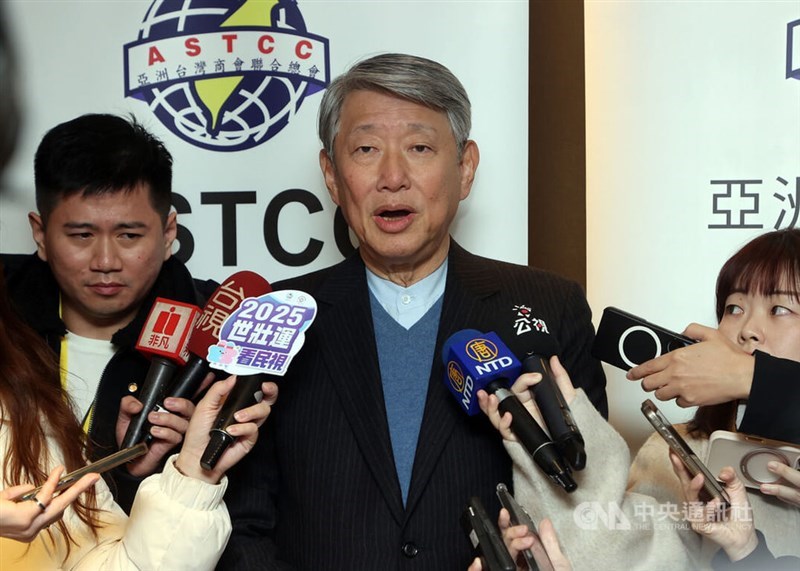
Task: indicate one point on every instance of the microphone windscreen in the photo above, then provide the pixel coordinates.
(224, 301)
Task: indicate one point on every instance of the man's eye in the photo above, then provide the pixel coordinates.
(130, 236)
(364, 149)
(80, 235)
(421, 148)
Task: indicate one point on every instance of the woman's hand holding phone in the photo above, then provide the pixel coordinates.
(731, 529)
(23, 520)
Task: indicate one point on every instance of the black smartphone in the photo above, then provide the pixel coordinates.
(712, 489)
(102, 465)
(536, 557)
(625, 340)
(485, 538)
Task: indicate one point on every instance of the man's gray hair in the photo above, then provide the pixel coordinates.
(413, 78)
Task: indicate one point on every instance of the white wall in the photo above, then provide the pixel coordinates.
(679, 94)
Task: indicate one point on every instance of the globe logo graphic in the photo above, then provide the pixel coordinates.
(225, 75)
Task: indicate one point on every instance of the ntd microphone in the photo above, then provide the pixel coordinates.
(164, 337)
(475, 361)
(472, 361)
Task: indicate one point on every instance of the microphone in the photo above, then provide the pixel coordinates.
(257, 340)
(535, 351)
(164, 337)
(225, 299)
(246, 392)
(475, 361)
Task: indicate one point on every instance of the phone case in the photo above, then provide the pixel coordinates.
(748, 456)
(485, 538)
(712, 489)
(536, 557)
(625, 340)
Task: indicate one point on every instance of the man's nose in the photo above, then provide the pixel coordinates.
(106, 257)
(393, 174)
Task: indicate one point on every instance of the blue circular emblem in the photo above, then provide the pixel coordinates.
(225, 75)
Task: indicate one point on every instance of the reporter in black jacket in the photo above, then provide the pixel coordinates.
(104, 235)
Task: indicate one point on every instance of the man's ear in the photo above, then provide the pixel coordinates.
(329, 172)
(470, 158)
(170, 233)
(38, 233)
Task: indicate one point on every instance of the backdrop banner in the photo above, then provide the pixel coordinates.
(233, 89)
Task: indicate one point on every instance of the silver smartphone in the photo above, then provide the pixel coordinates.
(102, 465)
(536, 557)
(712, 489)
(748, 456)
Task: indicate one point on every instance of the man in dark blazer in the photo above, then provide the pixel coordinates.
(367, 457)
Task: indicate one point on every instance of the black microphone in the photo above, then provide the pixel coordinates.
(535, 350)
(474, 361)
(246, 392)
(164, 338)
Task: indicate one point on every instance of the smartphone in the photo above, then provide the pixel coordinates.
(625, 340)
(712, 489)
(748, 456)
(485, 538)
(536, 557)
(102, 465)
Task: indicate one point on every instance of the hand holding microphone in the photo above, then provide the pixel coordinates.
(243, 430)
(480, 361)
(164, 338)
(259, 338)
(535, 350)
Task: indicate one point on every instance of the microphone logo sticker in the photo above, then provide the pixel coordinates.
(456, 376)
(225, 76)
(264, 333)
(167, 329)
(481, 350)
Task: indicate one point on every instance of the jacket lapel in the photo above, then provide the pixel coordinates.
(469, 283)
(355, 374)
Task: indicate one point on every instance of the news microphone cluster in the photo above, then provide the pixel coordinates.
(176, 335)
(475, 361)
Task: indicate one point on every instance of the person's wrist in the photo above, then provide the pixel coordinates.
(742, 550)
(190, 468)
(745, 376)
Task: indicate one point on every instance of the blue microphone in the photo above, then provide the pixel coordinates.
(475, 361)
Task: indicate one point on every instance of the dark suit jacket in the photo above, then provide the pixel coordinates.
(339, 505)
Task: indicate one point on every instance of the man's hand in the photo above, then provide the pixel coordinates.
(712, 371)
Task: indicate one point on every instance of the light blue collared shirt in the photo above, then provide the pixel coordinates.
(407, 305)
